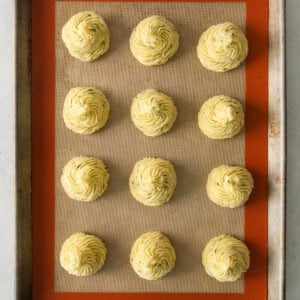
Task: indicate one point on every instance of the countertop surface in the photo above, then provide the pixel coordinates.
(7, 150)
(293, 147)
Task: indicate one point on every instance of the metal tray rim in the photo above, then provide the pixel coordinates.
(276, 146)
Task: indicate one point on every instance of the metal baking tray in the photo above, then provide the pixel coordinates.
(276, 150)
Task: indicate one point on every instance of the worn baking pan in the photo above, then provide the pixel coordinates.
(276, 151)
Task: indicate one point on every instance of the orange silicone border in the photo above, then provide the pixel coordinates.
(43, 138)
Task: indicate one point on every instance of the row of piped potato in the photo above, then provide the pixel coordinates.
(153, 181)
(152, 256)
(86, 110)
(222, 47)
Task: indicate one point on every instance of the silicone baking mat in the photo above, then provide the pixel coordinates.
(190, 219)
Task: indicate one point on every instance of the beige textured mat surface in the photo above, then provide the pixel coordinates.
(189, 219)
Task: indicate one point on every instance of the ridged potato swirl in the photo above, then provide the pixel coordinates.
(86, 36)
(152, 256)
(153, 112)
(86, 110)
(221, 117)
(229, 186)
(222, 47)
(152, 181)
(82, 254)
(154, 41)
(225, 258)
(84, 178)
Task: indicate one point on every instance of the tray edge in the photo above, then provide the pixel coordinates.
(276, 150)
(23, 256)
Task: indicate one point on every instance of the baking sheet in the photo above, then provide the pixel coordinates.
(256, 211)
(190, 219)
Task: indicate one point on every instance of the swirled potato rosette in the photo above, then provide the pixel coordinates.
(86, 110)
(82, 254)
(152, 256)
(153, 112)
(222, 47)
(225, 258)
(86, 36)
(229, 186)
(221, 117)
(152, 181)
(84, 178)
(154, 41)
